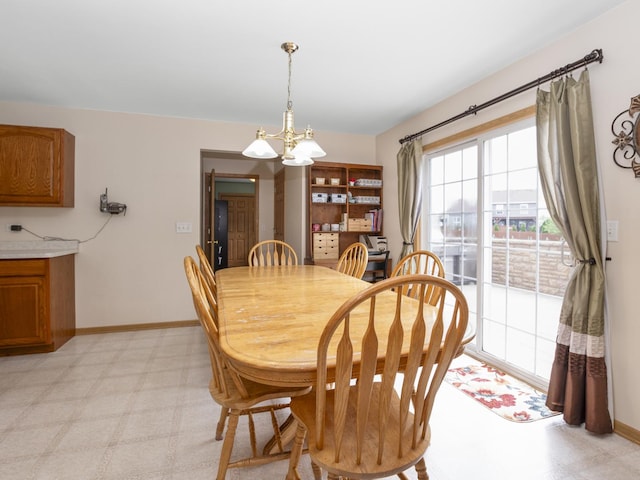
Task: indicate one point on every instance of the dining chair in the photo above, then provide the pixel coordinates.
(206, 269)
(235, 394)
(353, 260)
(425, 261)
(378, 426)
(272, 252)
(420, 262)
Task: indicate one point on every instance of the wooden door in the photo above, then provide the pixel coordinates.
(241, 234)
(278, 205)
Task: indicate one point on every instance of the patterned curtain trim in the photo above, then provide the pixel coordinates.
(581, 344)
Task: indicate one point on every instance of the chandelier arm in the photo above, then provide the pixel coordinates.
(280, 136)
(275, 136)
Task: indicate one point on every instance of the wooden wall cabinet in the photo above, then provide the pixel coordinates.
(36, 166)
(37, 304)
(337, 184)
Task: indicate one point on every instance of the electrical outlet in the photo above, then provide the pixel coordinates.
(183, 227)
(612, 230)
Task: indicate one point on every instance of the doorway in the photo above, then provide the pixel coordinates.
(241, 231)
(229, 246)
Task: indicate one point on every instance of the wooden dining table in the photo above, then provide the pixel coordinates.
(271, 318)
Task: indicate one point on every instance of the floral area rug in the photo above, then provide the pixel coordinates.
(501, 393)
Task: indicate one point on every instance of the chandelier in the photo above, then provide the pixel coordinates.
(299, 148)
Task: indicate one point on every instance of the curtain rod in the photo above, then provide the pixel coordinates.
(594, 56)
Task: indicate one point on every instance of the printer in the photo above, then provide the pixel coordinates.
(375, 243)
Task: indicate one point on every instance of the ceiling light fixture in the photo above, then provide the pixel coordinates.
(299, 148)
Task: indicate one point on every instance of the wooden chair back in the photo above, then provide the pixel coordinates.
(272, 253)
(370, 429)
(207, 270)
(224, 381)
(420, 262)
(353, 260)
(235, 395)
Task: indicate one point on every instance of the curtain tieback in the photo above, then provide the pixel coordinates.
(407, 243)
(591, 261)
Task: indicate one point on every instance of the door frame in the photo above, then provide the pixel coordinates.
(279, 187)
(207, 208)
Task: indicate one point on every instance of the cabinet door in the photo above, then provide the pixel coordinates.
(36, 166)
(23, 311)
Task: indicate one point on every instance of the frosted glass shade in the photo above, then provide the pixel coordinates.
(298, 161)
(259, 148)
(307, 147)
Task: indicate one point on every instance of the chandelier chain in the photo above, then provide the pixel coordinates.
(289, 102)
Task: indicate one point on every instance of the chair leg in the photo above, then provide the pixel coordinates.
(227, 445)
(296, 451)
(252, 434)
(283, 434)
(224, 413)
(421, 469)
(317, 472)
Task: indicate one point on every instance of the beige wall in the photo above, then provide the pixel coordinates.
(132, 272)
(613, 83)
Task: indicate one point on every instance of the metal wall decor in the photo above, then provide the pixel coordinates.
(626, 134)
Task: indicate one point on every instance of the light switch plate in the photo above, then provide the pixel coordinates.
(183, 227)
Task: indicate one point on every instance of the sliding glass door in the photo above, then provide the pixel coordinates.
(487, 220)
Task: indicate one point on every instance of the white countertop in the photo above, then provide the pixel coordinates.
(37, 249)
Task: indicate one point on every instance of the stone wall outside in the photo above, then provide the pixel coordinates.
(522, 263)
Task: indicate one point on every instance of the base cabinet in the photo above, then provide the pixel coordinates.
(37, 304)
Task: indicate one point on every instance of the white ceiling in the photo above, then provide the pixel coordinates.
(363, 65)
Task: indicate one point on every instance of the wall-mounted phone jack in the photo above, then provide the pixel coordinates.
(113, 208)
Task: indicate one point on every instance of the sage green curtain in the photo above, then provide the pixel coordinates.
(409, 192)
(569, 177)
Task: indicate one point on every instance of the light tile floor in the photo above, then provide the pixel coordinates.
(136, 405)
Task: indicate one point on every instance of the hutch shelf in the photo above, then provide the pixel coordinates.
(344, 202)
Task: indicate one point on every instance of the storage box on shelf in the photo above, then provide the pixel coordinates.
(326, 246)
(359, 225)
(346, 194)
